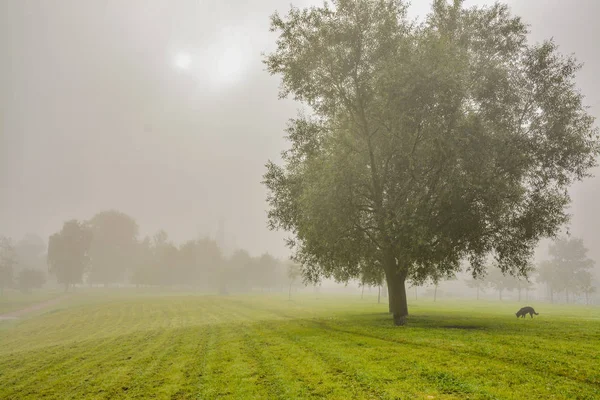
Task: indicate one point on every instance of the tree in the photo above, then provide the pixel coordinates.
(524, 283)
(437, 276)
(477, 283)
(143, 272)
(31, 279)
(294, 271)
(548, 274)
(500, 281)
(237, 274)
(371, 277)
(265, 271)
(568, 268)
(31, 252)
(583, 281)
(165, 260)
(427, 143)
(113, 246)
(68, 253)
(202, 260)
(8, 261)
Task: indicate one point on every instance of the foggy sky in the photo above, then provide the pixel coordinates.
(94, 115)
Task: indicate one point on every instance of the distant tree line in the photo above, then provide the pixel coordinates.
(107, 250)
(568, 271)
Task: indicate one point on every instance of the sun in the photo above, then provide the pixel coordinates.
(183, 60)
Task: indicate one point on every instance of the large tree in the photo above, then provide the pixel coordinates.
(425, 144)
(68, 253)
(114, 246)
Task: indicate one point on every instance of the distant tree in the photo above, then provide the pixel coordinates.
(68, 253)
(31, 251)
(165, 260)
(584, 284)
(500, 282)
(113, 246)
(548, 273)
(478, 283)
(265, 273)
(8, 261)
(371, 277)
(294, 271)
(427, 143)
(568, 268)
(438, 276)
(31, 279)
(143, 272)
(201, 261)
(524, 284)
(237, 274)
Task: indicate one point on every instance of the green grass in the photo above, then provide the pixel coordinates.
(265, 347)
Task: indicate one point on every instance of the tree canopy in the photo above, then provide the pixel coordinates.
(426, 143)
(114, 239)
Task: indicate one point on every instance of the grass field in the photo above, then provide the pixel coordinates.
(265, 347)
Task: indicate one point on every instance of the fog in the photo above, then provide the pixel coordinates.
(162, 110)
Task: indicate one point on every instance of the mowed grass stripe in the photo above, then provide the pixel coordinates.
(299, 372)
(464, 371)
(232, 371)
(530, 352)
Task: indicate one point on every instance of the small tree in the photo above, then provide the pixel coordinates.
(68, 253)
(8, 261)
(31, 279)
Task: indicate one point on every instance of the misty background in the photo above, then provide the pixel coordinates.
(95, 113)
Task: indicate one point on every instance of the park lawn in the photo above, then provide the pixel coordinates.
(316, 346)
(13, 300)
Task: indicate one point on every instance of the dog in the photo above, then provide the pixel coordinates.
(526, 310)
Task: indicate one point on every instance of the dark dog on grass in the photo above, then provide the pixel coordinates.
(526, 310)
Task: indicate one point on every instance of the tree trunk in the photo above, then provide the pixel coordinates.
(362, 294)
(390, 299)
(397, 293)
(66, 287)
(379, 294)
(435, 293)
